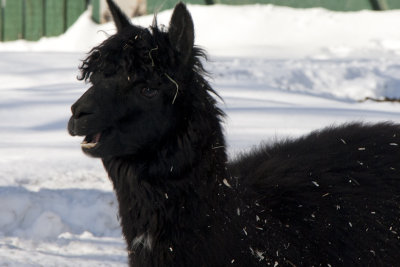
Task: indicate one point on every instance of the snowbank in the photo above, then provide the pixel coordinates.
(256, 30)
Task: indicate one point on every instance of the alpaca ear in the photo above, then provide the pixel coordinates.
(181, 31)
(120, 19)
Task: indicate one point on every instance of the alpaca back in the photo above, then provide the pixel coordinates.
(332, 197)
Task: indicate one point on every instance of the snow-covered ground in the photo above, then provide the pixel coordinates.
(282, 72)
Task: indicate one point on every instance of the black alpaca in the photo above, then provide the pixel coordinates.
(331, 198)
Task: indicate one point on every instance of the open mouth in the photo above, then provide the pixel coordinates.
(91, 141)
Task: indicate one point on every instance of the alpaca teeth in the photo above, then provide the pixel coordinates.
(88, 145)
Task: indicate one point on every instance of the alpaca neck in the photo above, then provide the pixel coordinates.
(153, 194)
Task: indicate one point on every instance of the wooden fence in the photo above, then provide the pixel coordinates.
(336, 5)
(32, 19)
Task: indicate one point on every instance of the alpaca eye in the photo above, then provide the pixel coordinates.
(149, 92)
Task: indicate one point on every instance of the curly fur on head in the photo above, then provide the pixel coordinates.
(331, 198)
(144, 51)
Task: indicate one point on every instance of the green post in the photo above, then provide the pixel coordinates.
(382, 5)
(75, 8)
(96, 11)
(1, 21)
(54, 17)
(12, 20)
(33, 22)
(346, 5)
(393, 4)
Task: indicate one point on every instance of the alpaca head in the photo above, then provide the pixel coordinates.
(146, 86)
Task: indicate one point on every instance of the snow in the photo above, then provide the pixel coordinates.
(282, 72)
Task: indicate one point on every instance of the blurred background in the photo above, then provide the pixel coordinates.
(32, 19)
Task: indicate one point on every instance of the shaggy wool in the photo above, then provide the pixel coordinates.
(331, 198)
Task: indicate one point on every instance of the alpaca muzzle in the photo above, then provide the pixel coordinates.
(91, 141)
(71, 127)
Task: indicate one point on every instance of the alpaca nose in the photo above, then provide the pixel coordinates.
(83, 111)
(76, 124)
(79, 111)
(84, 105)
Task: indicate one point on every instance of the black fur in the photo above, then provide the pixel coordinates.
(331, 198)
